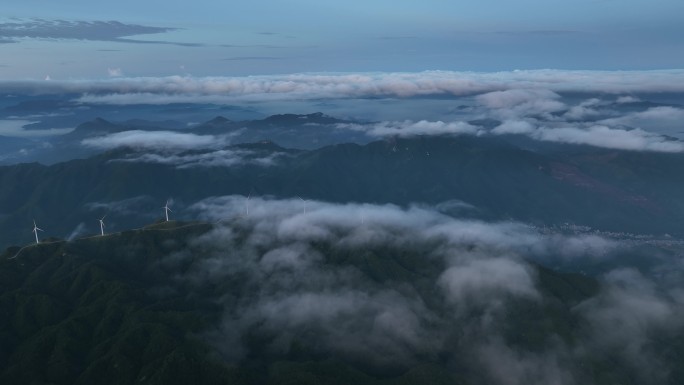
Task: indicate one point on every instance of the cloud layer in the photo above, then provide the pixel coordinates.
(332, 277)
(531, 103)
(604, 136)
(155, 140)
(410, 129)
(594, 135)
(362, 85)
(183, 150)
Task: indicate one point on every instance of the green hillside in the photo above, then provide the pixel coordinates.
(604, 189)
(139, 307)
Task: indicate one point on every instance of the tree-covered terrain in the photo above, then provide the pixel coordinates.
(546, 185)
(190, 302)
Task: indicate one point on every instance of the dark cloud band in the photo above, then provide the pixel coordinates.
(15, 31)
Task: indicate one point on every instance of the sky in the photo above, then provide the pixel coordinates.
(80, 39)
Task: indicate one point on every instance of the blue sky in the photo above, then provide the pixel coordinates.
(40, 38)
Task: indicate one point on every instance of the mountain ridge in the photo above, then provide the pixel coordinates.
(103, 308)
(605, 189)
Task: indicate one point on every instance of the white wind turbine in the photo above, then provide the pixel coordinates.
(303, 200)
(36, 229)
(166, 210)
(102, 225)
(247, 204)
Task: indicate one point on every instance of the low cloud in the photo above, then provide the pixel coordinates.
(154, 140)
(522, 102)
(338, 307)
(115, 72)
(584, 110)
(627, 99)
(452, 299)
(489, 279)
(606, 137)
(183, 150)
(596, 135)
(661, 119)
(625, 318)
(409, 128)
(16, 128)
(212, 158)
(514, 127)
(593, 135)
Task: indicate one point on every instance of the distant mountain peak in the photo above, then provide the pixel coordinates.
(98, 123)
(100, 120)
(218, 120)
(316, 117)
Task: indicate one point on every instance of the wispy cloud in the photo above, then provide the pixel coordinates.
(129, 206)
(252, 58)
(541, 32)
(115, 72)
(522, 102)
(16, 128)
(409, 128)
(182, 150)
(661, 119)
(594, 135)
(602, 136)
(15, 31)
(212, 158)
(155, 140)
(79, 230)
(571, 133)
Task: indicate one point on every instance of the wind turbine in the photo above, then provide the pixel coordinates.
(102, 225)
(303, 200)
(247, 204)
(166, 210)
(36, 229)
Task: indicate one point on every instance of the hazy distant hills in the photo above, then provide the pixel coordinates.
(605, 189)
(308, 131)
(139, 307)
(269, 273)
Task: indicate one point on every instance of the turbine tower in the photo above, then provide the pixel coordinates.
(166, 210)
(102, 225)
(303, 200)
(36, 229)
(247, 205)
